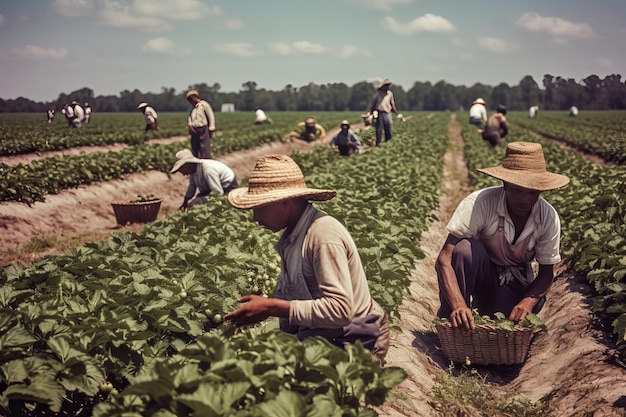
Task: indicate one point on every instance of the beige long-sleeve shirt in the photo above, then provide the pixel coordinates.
(329, 259)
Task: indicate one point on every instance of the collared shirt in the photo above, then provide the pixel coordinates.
(330, 259)
(201, 115)
(211, 175)
(478, 214)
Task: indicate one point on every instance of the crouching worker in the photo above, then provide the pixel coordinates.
(346, 142)
(311, 130)
(205, 175)
(494, 235)
(322, 288)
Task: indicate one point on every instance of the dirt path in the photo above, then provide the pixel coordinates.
(570, 365)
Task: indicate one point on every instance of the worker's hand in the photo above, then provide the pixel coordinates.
(255, 309)
(463, 318)
(401, 117)
(523, 308)
(211, 133)
(182, 208)
(192, 130)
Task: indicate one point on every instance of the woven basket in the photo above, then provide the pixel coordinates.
(140, 212)
(485, 345)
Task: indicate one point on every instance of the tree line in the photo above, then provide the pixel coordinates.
(556, 93)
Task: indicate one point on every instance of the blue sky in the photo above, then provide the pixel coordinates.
(52, 46)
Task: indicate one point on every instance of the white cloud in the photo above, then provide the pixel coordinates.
(493, 44)
(185, 10)
(146, 15)
(2, 20)
(243, 50)
(301, 47)
(72, 8)
(160, 45)
(350, 51)
(33, 52)
(555, 26)
(280, 48)
(309, 48)
(427, 23)
(380, 5)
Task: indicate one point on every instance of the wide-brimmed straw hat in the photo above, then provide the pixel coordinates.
(479, 100)
(142, 105)
(525, 166)
(384, 83)
(275, 178)
(184, 157)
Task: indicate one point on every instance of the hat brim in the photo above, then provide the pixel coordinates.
(538, 181)
(241, 198)
(179, 164)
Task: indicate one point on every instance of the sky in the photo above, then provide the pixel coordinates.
(49, 47)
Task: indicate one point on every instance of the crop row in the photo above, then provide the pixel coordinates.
(143, 311)
(598, 133)
(28, 133)
(32, 182)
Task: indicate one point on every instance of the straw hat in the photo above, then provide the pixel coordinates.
(479, 100)
(184, 157)
(192, 93)
(275, 178)
(142, 105)
(524, 165)
(384, 83)
(345, 123)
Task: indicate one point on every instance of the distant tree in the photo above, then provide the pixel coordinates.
(529, 92)
(361, 95)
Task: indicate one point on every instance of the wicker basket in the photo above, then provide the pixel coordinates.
(139, 212)
(485, 345)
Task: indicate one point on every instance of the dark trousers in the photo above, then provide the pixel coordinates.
(201, 143)
(479, 282)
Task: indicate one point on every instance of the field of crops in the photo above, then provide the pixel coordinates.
(133, 324)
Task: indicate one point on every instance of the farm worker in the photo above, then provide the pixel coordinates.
(478, 112)
(533, 111)
(87, 112)
(151, 116)
(494, 235)
(205, 175)
(573, 111)
(201, 122)
(346, 142)
(260, 117)
(383, 103)
(74, 114)
(496, 127)
(311, 130)
(322, 288)
(50, 115)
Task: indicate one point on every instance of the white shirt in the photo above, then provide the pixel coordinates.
(532, 112)
(478, 111)
(150, 114)
(478, 214)
(260, 116)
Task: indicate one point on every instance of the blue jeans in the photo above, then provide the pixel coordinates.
(383, 123)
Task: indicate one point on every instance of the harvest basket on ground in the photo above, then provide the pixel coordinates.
(497, 342)
(142, 210)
